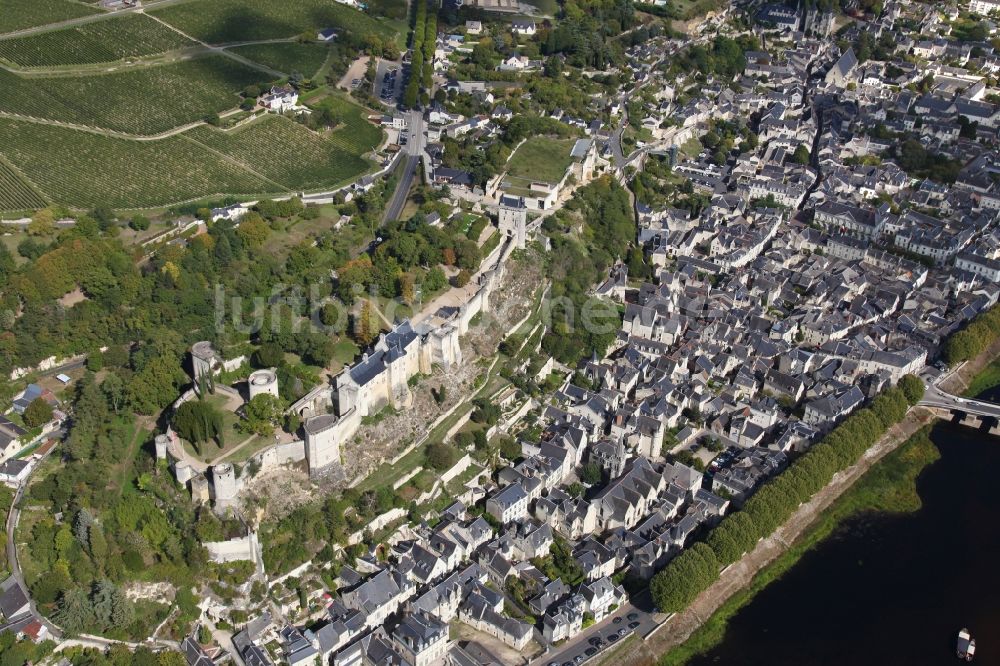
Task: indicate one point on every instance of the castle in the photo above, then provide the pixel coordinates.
(332, 413)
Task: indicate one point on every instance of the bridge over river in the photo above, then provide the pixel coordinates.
(968, 411)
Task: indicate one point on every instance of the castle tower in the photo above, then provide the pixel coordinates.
(324, 435)
(263, 381)
(161, 442)
(204, 359)
(224, 483)
(513, 219)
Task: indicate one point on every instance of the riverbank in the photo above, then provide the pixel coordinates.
(888, 487)
(702, 625)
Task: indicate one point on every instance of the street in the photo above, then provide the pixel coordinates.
(414, 147)
(626, 620)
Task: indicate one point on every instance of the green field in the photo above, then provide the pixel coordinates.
(541, 159)
(227, 21)
(15, 194)
(288, 153)
(142, 101)
(306, 59)
(110, 40)
(21, 14)
(84, 170)
(272, 155)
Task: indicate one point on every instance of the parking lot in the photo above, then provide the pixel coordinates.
(600, 638)
(388, 81)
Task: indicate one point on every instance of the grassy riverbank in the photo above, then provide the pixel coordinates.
(987, 378)
(889, 486)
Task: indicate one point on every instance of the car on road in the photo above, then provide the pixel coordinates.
(617, 620)
(612, 638)
(590, 652)
(622, 632)
(633, 625)
(632, 617)
(578, 659)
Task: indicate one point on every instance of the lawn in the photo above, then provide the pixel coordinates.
(20, 14)
(541, 159)
(117, 38)
(227, 21)
(143, 101)
(291, 57)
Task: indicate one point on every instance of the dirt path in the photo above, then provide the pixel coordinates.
(680, 626)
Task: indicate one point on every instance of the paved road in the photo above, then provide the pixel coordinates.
(13, 516)
(642, 612)
(414, 148)
(935, 397)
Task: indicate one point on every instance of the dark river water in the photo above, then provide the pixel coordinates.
(891, 589)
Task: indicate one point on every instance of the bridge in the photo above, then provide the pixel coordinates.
(976, 413)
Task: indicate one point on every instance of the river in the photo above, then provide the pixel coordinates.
(890, 589)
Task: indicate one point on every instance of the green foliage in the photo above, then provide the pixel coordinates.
(441, 456)
(917, 161)
(263, 413)
(582, 326)
(913, 388)
(198, 421)
(37, 413)
(688, 575)
(560, 563)
(972, 340)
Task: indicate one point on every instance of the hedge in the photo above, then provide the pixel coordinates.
(691, 572)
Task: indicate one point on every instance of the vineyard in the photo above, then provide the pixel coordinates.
(110, 40)
(289, 153)
(306, 59)
(226, 21)
(15, 194)
(355, 134)
(141, 101)
(85, 170)
(20, 14)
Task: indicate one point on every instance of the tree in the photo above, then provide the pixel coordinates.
(801, 154)
(198, 421)
(37, 413)
(43, 223)
(366, 327)
(268, 355)
(263, 413)
(509, 447)
(441, 456)
(591, 473)
(912, 388)
(253, 229)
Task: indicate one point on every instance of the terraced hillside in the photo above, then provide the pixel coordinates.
(112, 109)
(84, 170)
(105, 41)
(144, 101)
(271, 155)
